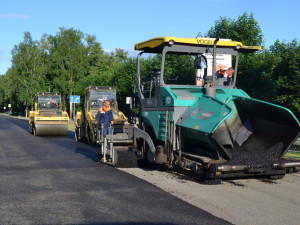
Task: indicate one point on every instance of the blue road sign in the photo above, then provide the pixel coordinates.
(74, 99)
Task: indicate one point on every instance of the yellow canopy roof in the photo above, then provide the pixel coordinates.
(152, 45)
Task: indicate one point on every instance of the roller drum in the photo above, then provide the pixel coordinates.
(51, 129)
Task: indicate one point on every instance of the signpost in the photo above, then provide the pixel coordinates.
(10, 109)
(73, 99)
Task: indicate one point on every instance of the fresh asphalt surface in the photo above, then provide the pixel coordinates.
(54, 180)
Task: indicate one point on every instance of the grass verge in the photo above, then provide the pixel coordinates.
(295, 155)
(71, 126)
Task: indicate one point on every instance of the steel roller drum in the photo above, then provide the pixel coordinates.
(51, 129)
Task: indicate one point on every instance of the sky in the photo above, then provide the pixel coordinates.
(122, 23)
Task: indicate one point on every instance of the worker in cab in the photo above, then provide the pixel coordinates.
(226, 73)
(53, 104)
(229, 74)
(221, 73)
(105, 117)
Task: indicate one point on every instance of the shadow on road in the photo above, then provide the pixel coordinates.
(88, 153)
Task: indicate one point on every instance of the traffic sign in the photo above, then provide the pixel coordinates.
(74, 99)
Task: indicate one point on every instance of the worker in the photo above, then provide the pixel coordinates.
(229, 72)
(219, 73)
(53, 103)
(225, 73)
(105, 117)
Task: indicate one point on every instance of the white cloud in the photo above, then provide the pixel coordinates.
(13, 16)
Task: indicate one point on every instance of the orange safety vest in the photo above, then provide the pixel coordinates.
(104, 109)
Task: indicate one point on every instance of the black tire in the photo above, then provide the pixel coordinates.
(100, 156)
(88, 136)
(77, 136)
(30, 129)
(91, 137)
(34, 131)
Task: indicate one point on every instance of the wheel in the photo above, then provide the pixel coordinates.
(91, 137)
(30, 129)
(34, 131)
(77, 134)
(100, 156)
(146, 154)
(170, 155)
(88, 136)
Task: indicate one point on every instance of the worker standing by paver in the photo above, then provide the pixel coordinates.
(105, 116)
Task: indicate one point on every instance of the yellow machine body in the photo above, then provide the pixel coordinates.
(85, 120)
(155, 45)
(48, 118)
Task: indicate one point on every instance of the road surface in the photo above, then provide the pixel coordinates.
(54, 180)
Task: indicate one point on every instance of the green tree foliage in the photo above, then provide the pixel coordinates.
(285, 73)
(27, 74)
(67, 62)
(254, 76)
(179, 69)
(70, 61)
(245, 28)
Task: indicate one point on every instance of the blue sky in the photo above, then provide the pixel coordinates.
(121, 24)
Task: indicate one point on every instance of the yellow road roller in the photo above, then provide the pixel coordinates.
(85, 121)
(48, 117)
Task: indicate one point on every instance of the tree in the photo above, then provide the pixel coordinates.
(3, 91)
(68, 60)
(120, 55)
(27, 72)
(251, 76)
(285, 73)
(245, 28)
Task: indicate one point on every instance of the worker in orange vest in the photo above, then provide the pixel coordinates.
(105, 116)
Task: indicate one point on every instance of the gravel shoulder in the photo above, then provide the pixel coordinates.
(245, 201)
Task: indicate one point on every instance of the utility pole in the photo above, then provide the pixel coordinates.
(71, 112)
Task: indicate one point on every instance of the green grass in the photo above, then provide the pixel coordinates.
(295, 155)
(71, 126)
